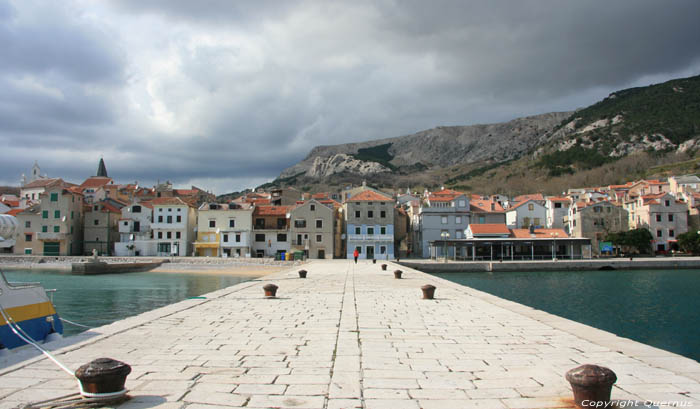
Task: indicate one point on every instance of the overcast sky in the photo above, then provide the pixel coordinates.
(225, 94)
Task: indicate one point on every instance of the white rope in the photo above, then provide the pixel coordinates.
(74, 323)
(26, 338)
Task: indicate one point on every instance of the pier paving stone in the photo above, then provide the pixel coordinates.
(351, 336)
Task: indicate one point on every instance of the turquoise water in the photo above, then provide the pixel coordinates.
(655, 307)
(102, 299)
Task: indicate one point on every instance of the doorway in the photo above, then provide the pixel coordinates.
(370, 252)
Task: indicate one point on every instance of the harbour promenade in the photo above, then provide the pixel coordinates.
(352, 336)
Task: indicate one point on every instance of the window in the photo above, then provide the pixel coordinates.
(212, 223)
(319, 223)
(238, 238)
(671, 233)
(27, 224)
(443, 219)
(574, 223)
(526, 222)
(259, 223)
(667, 203)
(71, 215)
(300, 223)
(458, 219)
(609, 209)
(160, 219)
(370, 203)
(458, 234)
(232, 223)
(557, 205)
(370, 214)
(177, 234)
(382, 230)
(537, 221)
(178, 218)
(281, 237)
(670, 217)
(357, 213)
(658, 217)
(54, 197)
(44, 229)
(96, 208)
(382, 214)
(531, 207)
(164, 247)
(382, 249)
(462, 203)
(56, 214)
(319, 238)
(225, 238)
(169, 219)
(359, 249)
(260, 238)
(659, 233)
(281, 223)
(160, 234)
(160, 209)
(56, 229)
(136, 209)
(482, 219)
(312, 207)
(170, 209)
(358, 230)
(27, 237)
(178, 210)
(370, 230)
(169, 235)
(597, 209)
(45, 214)
(97, 222)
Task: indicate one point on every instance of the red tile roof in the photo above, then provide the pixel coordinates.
(532, 196)
(484, 205)
(95, 181)
(271, 210)
(558, 199)
(10, 203)
(169, 201)
(43, 183)
(520, 204)
(489, 228)
(369, 196)
(539, 233)
(15, 212)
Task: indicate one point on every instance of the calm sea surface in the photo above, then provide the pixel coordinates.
(102, 299)
(655, 307)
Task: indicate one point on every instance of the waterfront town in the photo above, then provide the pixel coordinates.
(53, 217)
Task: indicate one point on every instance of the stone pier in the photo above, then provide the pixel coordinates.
(352, 336)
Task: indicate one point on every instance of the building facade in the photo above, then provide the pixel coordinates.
(101, 227)
(135, 233)
(369, 217)
(173, 226)
(595, 221)
(224, 230)
(443, 212)
(312, 229)
(270, 231)
(663, 215)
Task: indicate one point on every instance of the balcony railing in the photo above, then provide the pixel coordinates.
(51, 236)
(375, 237)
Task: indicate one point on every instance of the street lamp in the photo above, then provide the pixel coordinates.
(554, 245)
(445, 236)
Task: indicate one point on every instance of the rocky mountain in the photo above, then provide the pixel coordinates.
(637, 132)
(440, 147)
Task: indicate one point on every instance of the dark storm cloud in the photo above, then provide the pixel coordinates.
(230, 93)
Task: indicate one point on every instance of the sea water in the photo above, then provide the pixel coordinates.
(656, 307)
(95, 300)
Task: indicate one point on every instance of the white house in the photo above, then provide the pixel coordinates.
(135, 234)
(224, 230)
(173, 226)
(557, 211)
(527, 213)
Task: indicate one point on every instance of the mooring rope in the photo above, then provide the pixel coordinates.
(74, 323)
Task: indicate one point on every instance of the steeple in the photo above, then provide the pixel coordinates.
(101, 169)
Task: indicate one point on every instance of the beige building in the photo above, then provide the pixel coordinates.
(53, 227)
(224, 230)
(312, 229)
(101, 227)
(663, 215)
(595, 221)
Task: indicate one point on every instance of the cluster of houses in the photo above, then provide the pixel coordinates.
(53, 217)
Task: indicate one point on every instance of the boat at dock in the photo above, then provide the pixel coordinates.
(27, 308)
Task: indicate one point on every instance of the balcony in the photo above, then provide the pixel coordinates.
(371, 237)
(130, 229)
(51, 236)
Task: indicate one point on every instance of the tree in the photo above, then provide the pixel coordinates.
(640, 239)
(689, 242)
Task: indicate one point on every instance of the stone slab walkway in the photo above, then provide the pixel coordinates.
(352, 336)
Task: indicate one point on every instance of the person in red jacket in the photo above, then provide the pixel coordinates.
(356, 254)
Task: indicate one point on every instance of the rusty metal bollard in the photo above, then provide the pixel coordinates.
(428, 292)
(302, 273)
(374, 261)
(397, 273)
(270, 290)
(592, 385)
(383, 267)
(103, 377)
